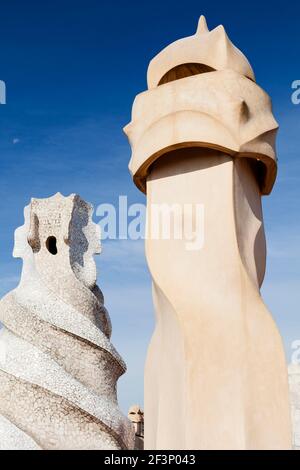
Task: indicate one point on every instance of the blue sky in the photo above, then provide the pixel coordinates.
(72, 70)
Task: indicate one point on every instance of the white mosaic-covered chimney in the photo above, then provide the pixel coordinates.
(58, 368)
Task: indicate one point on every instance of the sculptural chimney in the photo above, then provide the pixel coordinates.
(136, 416)
(58, 368)
(203, 137)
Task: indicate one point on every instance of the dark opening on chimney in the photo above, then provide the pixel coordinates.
(51, 245)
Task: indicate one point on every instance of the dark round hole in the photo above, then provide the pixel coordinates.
(51, 245)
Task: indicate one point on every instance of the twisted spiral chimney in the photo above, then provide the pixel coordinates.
(58, 369)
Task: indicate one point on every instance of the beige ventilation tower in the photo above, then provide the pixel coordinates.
(203, 134)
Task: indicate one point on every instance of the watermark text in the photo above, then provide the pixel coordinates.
(2, 92)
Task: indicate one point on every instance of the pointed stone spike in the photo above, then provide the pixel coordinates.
(202, 25)
(221, 30)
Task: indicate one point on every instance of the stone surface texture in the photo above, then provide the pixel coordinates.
(204, 133)
(294, 380)
(58, 368)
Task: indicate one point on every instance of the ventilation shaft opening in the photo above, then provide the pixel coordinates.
(51, 245)
(184, 70)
